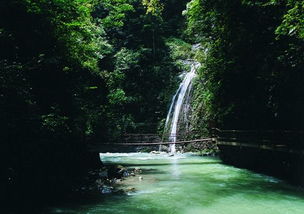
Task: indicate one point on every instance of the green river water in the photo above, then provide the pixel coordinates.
(190, 184)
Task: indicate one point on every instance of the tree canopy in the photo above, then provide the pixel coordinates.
(75, 73)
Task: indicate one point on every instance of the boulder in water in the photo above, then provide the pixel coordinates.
(137, 170)
(117, 171)
(103, 173)
(126, 174)
(155, 152)
(106, 189)
(99, 182)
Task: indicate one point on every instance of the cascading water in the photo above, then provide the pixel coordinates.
(181, 99)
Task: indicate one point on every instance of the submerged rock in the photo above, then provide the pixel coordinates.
(137, 170)
(106, 189)
(154, 152)
(130, 189)
(125, 174)
(117, 171)
(103, 173)
(118, 181)
(99, 182)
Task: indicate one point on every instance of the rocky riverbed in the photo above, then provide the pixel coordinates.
(108, 179)
(138, 183)
(112, 179)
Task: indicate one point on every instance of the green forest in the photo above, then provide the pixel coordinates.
(75, 73)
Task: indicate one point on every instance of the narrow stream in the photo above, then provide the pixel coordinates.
(190, 184)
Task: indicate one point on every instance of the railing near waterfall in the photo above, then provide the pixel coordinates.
(274, 140)
(287, 141)
(137, 139)
(151, 139)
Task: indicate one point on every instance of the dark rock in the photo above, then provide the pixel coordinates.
(103, 173)
(106, 189)
(126, 173)
(137, 170)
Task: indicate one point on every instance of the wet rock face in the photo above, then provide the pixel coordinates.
(204, 149)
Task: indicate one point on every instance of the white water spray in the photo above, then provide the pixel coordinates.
(178, 101)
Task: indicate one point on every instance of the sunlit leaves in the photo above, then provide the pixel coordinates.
(154, 7)
(293, 20)
(80, 38)
(117, 96)
(126, 58)
(116, 12)
(179, 49)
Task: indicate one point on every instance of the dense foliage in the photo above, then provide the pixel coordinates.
(252, 74)
(76, 73)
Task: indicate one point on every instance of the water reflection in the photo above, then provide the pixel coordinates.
(189, 184)
(175, 171)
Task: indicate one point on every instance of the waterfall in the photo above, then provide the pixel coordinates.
(181, 99)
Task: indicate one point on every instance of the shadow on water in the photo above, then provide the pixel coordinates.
(84, 202)
(152, 171)
(243, 181)
(221, 182)
(246, 182)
